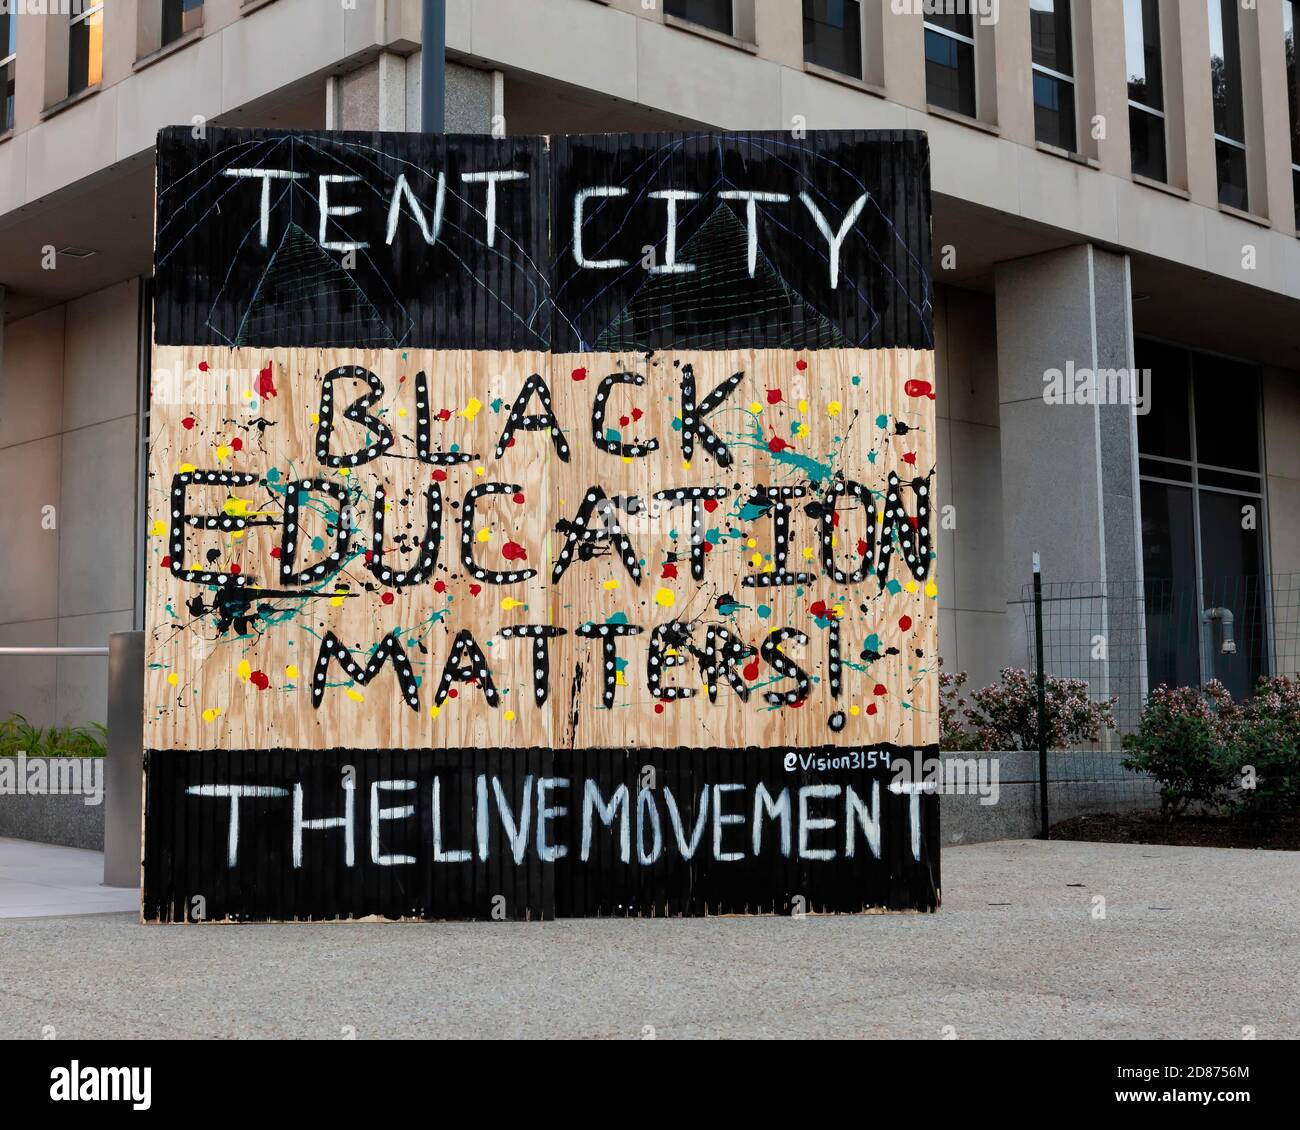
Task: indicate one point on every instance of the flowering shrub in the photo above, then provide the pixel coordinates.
(1005, 716)
(1206, 749)
(1181, 742)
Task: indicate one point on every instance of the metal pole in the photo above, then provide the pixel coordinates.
(53, 651)
(433, 67)
(124, 765)
(1042, 699)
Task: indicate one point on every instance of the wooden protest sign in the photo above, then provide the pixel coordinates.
(540, 526)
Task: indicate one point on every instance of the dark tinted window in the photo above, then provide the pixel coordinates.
(949, 73)
(1227, 413)
(1049, 30)
(715, 14)
(1165, 430)
(832, 35)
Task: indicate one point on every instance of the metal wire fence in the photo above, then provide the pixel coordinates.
(1126, 639)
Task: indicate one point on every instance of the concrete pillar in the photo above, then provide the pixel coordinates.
(385, 95)
(124, 765)
(1069, 470)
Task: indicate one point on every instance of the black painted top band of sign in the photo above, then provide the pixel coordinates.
(576, 243)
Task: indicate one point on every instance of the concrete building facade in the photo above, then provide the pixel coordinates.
(1115, 189)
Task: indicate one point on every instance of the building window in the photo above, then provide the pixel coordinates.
(1201, 477)
(1146, 93)
(716, 15)
(832, 35)
(1053, 62)
(1293, 99)
(1229, 114)
(8, 66)
(950, 62)
(180, 17)
(85, 47)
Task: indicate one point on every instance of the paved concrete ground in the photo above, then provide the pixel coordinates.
(1195, 942)
(39, 880)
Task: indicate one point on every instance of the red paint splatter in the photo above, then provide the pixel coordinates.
(203, 366)
(710, 504)
(905, 622)
(370, 556)
(439, 476)
(259, 680)
(517, 498)
(862, 548)
(910, 457)
(266, 382)
(750, 670)
(708, 547)
(659, 707)
(444, 414)
(234, 567)
(275, 552)
(439, 586)
(871, 708)
(513, 551)
(818, 609)
(474, 590)
(387, 598)
(579, 374)
(453, 693)
(919, 388)
(801, 365)
(774, 396)
(776, 443)
(637, 413)
(188, 423)
(237, 444)
(670, 571)
(880, 689)
(167, 562)
(623, 421)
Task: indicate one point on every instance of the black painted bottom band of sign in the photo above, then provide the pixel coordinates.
(283, 835)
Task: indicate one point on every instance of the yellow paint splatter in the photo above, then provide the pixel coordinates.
(910, 586)
(510, 603)
(315, 417)
(244, 670)
(807, 553)
(158, 529)
(855, 710)
(756, 560)
(755, 407)
(186, 468)
(223, 452)
(931, 590)
(338, 599)
(355, 695)
(610, 585)
(291, 672)
(211, 714)
(434, 711)
(509, 715)
(401, 413)
(834, 408)
(665, 598)
(803, 407)
(173, 679)
(473, 408)
(484, 534)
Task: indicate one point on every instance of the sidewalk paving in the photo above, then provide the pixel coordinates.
(39, 880)
(1195, 942)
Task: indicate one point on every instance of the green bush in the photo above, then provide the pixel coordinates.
(1181, 742)
(1263, 736)
(17, 735)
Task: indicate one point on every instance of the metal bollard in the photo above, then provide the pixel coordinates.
(124, 766)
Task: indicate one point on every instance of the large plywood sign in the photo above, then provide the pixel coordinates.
(540, 526)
